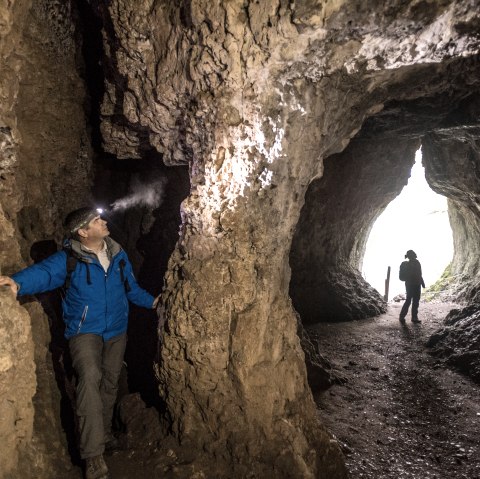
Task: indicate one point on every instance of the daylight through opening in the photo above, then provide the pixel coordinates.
(417, 219)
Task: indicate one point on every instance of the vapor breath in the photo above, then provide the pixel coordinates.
(142, 194)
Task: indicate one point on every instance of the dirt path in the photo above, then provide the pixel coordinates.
(400, 414)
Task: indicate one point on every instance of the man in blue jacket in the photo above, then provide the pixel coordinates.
(99, 282)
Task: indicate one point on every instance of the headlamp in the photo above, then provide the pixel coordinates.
(84, 221)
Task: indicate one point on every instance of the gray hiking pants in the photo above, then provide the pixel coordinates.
(97, 365)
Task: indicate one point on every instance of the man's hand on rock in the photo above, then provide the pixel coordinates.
(6, 281)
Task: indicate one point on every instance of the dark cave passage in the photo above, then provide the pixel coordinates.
(149, 233)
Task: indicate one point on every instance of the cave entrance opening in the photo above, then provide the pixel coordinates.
(417, 219)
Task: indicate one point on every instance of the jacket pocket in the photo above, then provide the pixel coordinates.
(84, 316)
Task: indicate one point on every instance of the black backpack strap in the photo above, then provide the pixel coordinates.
(72, 261)
(122, 276)
(89, 281)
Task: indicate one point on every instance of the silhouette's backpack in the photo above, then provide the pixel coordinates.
(403, 274)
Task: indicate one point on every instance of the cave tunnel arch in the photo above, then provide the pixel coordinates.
(358, 183)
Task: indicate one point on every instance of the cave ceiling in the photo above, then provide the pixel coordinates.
(450, 110)
(177, 74)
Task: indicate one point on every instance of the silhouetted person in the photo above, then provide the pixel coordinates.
(411, 273)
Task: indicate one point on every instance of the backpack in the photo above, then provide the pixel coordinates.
(403, 273)
(73, 259)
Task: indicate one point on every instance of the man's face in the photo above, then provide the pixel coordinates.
(95, 230)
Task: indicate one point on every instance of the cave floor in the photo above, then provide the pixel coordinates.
(400, 412)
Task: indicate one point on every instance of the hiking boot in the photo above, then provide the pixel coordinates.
(415, 320)
(401, 319)
(95, 468)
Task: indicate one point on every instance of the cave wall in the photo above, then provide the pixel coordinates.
(17, 382)
(253, 96)
(45, 171)
(464, 267)
(452, 162)
(452, 168)
(340, 209)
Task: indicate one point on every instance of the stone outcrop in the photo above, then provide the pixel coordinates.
(457, 342)
(452, 159)
(45, 170)
(17, 382)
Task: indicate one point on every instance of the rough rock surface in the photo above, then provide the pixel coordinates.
(458, 341)
(452, 160)
(254, 95)
(45, 170)
(17, 382)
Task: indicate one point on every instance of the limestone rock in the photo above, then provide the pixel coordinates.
(17, 382)
(45, 171)
(458, 341)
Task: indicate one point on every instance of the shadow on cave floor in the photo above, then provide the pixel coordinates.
(400, 413)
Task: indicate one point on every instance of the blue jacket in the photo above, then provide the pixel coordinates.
(100, 307)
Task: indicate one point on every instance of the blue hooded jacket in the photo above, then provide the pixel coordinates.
(96, 301)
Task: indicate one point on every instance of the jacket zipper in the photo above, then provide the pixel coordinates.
(84, 316)
(106, 305)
